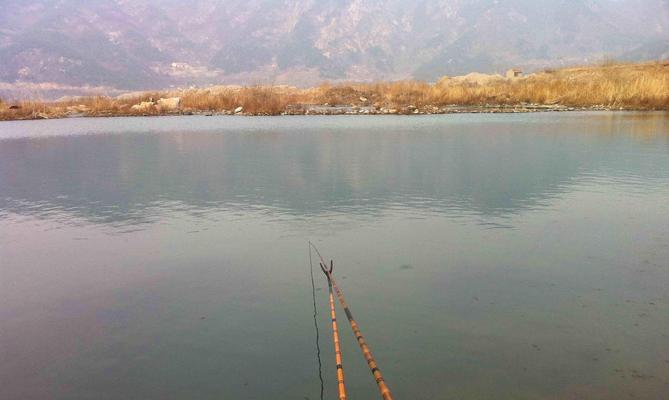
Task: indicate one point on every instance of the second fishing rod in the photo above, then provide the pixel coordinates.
(364, 347)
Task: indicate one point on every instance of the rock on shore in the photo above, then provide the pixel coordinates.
(169, 104)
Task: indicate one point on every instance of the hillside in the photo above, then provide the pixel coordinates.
(53, 47)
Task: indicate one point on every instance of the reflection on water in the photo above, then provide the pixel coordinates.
(165, 257)
(455, 168)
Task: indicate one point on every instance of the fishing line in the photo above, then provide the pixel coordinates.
(318, 346)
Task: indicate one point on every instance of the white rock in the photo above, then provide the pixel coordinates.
(169, 104)
(143, 106)
(239, 109)
(79, 108)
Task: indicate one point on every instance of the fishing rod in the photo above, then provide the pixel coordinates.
(366, 351)
(335, 337)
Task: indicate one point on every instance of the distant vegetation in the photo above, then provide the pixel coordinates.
(607, 86)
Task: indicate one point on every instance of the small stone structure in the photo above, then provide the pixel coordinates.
(514, 73)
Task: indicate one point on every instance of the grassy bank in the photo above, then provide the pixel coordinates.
(643, 86)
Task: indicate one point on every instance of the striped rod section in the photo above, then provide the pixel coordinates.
(335, 336)
(366, 352)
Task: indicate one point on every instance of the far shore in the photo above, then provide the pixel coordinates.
(607, 87)
(319, 110)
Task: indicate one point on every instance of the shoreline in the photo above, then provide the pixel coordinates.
(317, 110)
(616, 87)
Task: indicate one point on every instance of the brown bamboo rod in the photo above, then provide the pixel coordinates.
(366, 351)
(335, 337)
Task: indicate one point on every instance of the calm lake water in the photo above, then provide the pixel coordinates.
(484, 256)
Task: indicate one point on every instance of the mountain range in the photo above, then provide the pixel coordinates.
(135, 45)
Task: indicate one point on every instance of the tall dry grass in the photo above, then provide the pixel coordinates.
(614, 85)
(637, 86)
(644, 86)
(253, 100)
(24, 110)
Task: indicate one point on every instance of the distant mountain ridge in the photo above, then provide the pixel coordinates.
(132, 45)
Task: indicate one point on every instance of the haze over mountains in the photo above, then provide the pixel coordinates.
(131, 45)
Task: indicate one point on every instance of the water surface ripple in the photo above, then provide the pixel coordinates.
(486, 256)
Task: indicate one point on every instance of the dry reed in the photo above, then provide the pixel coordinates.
(611, 85)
